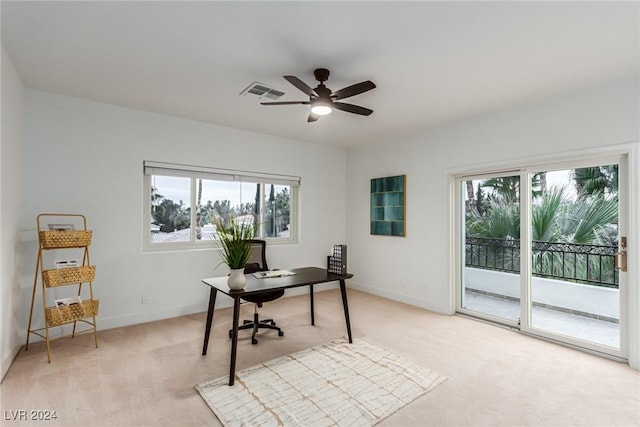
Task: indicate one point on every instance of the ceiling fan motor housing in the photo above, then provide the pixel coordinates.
(321, 74)
(323, 91)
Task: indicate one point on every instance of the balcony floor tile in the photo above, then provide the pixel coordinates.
(573, 325)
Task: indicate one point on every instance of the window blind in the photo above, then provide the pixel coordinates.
(203, 172)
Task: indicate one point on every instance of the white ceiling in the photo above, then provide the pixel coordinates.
(432, 62)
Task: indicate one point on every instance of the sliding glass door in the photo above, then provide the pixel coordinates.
(490, 241)
(575, 233)
(543, 249)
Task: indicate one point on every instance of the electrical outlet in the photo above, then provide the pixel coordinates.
(144, 299)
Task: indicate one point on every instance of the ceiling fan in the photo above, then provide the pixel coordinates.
(323, 100)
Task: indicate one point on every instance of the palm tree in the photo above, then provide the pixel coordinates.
(555, 219)
(544, 215)
(256, 206)
(601, 180)
(283, 208)
(506, 188)
(271, 220)
(500, 221)
(199, 212)
(590, 221)
(471, 202)
(543, 181)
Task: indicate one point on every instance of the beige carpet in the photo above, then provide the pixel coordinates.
(331, 384)
(144, 375)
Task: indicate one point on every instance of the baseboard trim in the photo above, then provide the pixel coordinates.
(413, 300)
(8, 361)
(164, 313)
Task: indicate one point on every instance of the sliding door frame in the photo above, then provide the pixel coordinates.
(526, 242)
(628, 157)
(460, 239)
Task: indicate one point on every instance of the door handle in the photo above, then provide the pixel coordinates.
(621, 260)
(621, 257)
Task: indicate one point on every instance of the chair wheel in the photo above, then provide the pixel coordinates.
(231, 334)
(254, 341)
(273, 323)
(280, 333)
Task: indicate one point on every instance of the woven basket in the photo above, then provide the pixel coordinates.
(66, 276)
(59, 315)
(65, 239)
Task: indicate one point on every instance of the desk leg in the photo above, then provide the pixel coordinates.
(207, 331)
(313, 319)
(234, 340)
(345, 305)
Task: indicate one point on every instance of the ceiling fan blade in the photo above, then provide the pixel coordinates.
(301, 85)
(286, 103)
(353, 90)
(356, 109)
(312, 118)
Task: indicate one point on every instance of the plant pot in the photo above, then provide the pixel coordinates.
(236, 279)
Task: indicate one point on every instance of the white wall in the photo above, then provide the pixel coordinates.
(10, 182)
(86, 157)
(416, 269)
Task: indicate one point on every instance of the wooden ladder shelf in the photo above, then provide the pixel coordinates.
(60, 236)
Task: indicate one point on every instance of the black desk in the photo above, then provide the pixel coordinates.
(307, 276)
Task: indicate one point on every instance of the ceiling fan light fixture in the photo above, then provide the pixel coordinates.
(321, 108)
(322, 100)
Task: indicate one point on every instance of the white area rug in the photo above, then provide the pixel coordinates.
(332, 384)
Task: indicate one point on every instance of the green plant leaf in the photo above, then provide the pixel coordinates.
(235, 240)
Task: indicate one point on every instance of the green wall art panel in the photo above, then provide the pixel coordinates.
(388, 206)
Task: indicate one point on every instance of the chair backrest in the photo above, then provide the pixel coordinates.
(258, 258)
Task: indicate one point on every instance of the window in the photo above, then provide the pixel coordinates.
(181, 203)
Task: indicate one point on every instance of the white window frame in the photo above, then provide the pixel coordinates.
(151, 168)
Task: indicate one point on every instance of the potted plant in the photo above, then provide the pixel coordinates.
(236, 248)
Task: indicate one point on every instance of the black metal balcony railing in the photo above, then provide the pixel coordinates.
(590, 264)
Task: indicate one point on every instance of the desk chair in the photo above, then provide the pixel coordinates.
(258, 262)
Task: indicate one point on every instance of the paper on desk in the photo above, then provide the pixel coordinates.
(272, 273)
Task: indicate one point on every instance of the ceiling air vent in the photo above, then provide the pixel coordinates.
(261, 90)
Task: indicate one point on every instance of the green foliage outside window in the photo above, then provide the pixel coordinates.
(169, 216)
(586, 214)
